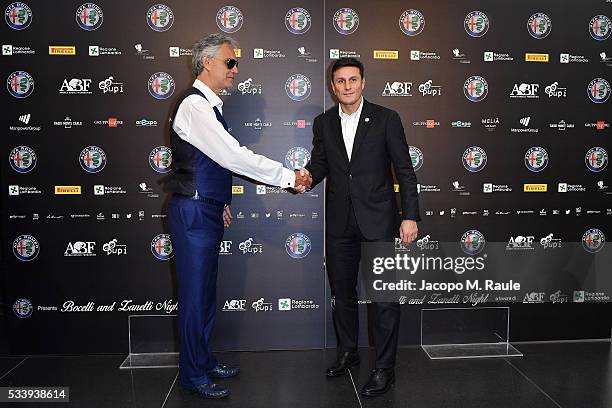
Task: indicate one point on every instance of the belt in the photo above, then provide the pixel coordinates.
(206, 200)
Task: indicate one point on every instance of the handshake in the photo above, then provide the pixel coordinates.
(303, 180)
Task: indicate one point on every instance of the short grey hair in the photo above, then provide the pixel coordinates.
(209, 47)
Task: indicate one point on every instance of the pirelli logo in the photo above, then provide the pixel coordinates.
(62, 50)
(535, 188)
(67, 190)
(386, 54)
(237, 189)
(531, 57)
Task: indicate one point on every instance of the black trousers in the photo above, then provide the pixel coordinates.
(342, 260)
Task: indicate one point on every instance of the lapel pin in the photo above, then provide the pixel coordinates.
(367, 119)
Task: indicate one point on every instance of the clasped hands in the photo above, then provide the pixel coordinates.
(303, 180)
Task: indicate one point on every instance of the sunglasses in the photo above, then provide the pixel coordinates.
(229, 63)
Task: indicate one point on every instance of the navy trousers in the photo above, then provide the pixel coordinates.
(196, 230)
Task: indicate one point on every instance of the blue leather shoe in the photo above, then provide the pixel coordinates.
(210, 390)
(223, 371)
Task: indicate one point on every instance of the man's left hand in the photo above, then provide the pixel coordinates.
(227, 216)
(408, 231)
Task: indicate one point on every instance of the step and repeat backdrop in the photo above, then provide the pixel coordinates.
(505, 106)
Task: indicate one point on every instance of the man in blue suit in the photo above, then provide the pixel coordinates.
(204, 157)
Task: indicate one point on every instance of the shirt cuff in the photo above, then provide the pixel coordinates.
(288, 178)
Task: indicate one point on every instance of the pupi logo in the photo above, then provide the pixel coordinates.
(346, 21)
(20, 84)
(160, 159)
(160, 18)
(22, 159)
(472, 242)
(474, 159)
(476, 24)
(298, 245)
(92, 159)
(297, 20)
(229, 19)
(412, 22)
(161, 247)
(416, 157)
(89, 16)
(18, 16)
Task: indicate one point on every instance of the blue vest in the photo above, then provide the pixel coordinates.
(194, 171)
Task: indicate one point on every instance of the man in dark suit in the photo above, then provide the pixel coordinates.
(354, 145)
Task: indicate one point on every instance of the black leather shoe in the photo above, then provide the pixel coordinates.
(210, 390)
(346, 360)
(223, 371)
(379, 382)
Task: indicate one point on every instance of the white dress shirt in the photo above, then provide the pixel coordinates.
(196, 123)
(349, 127)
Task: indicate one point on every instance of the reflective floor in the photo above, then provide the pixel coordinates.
(566, 375)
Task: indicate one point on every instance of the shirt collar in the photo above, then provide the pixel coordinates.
(357, 113)
(212, 97)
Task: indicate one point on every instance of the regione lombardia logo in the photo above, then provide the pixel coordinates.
(298, 87)
(539, 25)
(416, 157)
(472, 242)
(297, 157)
(18, 16)
(229, 19)
(26, 248)
(161, 247)
(598, 90)
(20, 84)
(536, 159)
(474, 159)
(596, 159)
(593, 240)
(161, 85)
(23, 308)
(92, 159)
(22, 159)
(476, 24)
(89, 17)
(599, 27)
(160, 159)
(297, 20)
(412, 22)
(475, 88)
(298, 245)
(160, 18)
(346, 21)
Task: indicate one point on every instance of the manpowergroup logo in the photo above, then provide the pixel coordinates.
(298, 87)
(298, 245)
(346, 21)
(412, 22)
(539, 26)
(22, 159)
(23, 308)
(20, 84)
(229, 19)
(161, 247)
(297, 20)
(18, 16)
(161, 85)
(26, 247)
(89, 16)
(476, 24)
(160, 18)
(160, 159)
(92, 159)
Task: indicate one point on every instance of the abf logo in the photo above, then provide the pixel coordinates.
(18, 16)
(161, 85)
(472, 242)
(412, 22)
(475, 88)
(593, 240)
(20, 84)
(596, 159)
(160, 159)
(298, 87)
(25, 247)
(298, 245)
(536, 159)
(22, 159)
(476, 24)
(598, 90)
(416, 157)
(539, 25)
(229, 19)
(92, 159)
(297, 157)
(600, 28)
(89, 16)
(297, 20)
(161, 247)
(23, 308)
(346, 21)
(160, 18)
(474, 159)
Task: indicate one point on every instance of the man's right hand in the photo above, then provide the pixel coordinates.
(303, 180)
